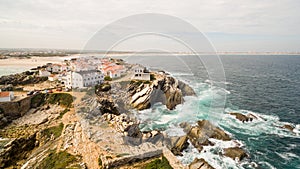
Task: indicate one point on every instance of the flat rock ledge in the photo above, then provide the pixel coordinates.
(200, 164)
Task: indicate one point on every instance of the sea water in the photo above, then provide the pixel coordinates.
(266, 86)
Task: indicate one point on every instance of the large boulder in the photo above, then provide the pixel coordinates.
(107, 106)
(104, 87)
(186, 89)
(179, 144)
(134, 135)
(288, 127)
(199, 135)
(200, 164)
(243, 118)
(235, 153)
(212, 131)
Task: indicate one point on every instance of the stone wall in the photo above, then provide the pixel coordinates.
(12, 110)
(16, 109)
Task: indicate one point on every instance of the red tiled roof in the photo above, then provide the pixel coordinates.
(4, 94)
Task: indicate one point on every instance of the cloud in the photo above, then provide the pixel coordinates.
(80, 19)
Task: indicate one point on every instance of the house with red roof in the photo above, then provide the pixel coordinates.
(113, 70)
(6, 96)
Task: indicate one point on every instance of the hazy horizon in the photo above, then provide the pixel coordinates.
(231, 26)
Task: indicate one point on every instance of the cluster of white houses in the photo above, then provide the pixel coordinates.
(89, 71)
(81, 73)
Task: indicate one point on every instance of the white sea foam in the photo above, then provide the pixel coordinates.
(196, 108)
(211, 154)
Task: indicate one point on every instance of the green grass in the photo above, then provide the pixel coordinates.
(55, 130)
(64, 99)
(122, 154)
(38, 100)
(61, 114)
(58, 160)
(159, 164)
(3, 143)
(107, 78)
(152, 77)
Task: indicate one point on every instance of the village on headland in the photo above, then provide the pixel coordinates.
(76, 73)
(79, 113)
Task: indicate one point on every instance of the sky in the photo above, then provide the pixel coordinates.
(230, 25)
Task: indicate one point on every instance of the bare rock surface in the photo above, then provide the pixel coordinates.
(165, 89)
(244, 117)
(199, 135)
(200, 164)
(235, 153)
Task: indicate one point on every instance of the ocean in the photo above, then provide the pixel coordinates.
(267, 86)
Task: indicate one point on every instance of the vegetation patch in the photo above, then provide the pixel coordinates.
(64, 99)
(152, 77)
(61, 114)
(107, 78)
(38, 100)
(104, 87)
(58, 160)
(159, 164)
(18, 131)
(55, 131)
(122, 154)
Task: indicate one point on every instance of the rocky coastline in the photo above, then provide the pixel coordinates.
(99, 130)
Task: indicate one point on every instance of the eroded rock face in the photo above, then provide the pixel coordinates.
(107, 106)
(165, 89)
(235, 153)
(179, 145)
(199, 135)
(15, 150)
(200, 164)
(212, 131)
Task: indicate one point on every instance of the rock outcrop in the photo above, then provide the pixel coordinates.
(165, 89)
(16, 149)
(235, 153)
(108, 106)
(22, 79)
(200, 164)
(179, 144)
(288, 127)
(243, 118)
(199, 135)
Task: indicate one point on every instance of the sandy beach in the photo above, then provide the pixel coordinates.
(16, 65)
(31, 62)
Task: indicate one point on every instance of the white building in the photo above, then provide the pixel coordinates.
(57, 68)
(140, 73)
(54, 68)
(6, 96)
(83, 79)
(44, 73)
(52, 77)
